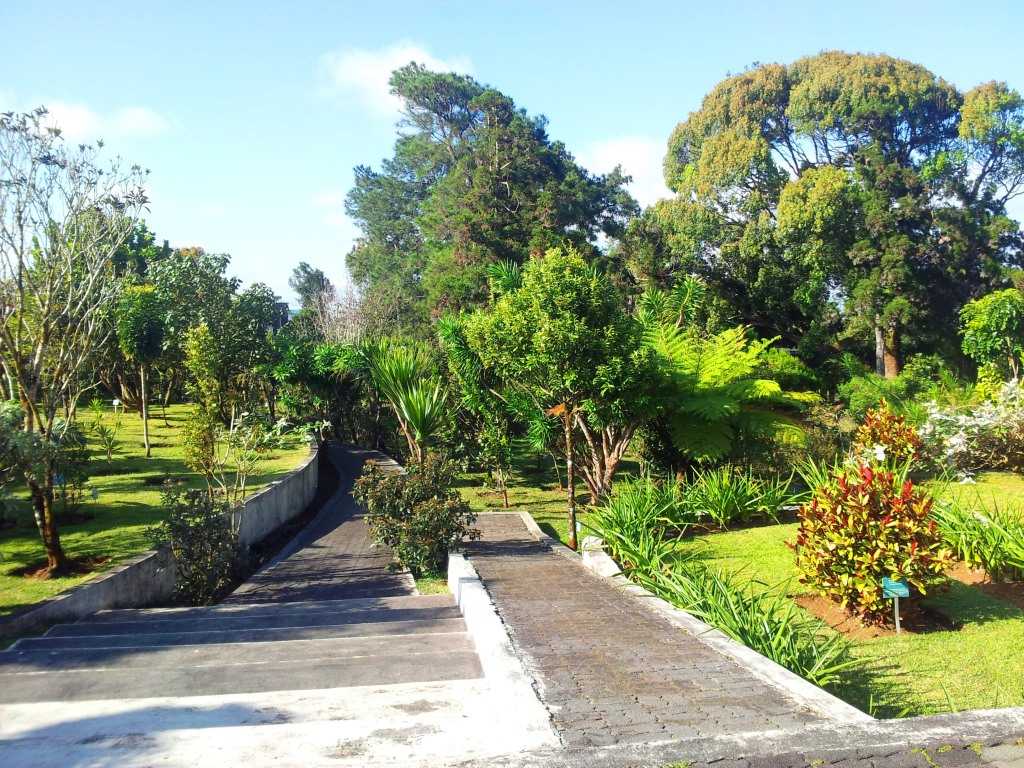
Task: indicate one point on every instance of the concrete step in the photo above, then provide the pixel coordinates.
(308, 617)
(158, 657)
(270, 609)
(223, 678)
(228, 636)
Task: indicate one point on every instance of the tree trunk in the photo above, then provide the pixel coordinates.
(879, 348)
(43, 509)
(145, 409)
(892, 353)
(570, 477)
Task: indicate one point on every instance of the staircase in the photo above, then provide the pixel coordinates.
(326, 657)
(242, 648)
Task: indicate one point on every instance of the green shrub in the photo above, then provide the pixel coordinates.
(991, 539)
(765, 620)
(202, 540)
(640, 523)
(728, 495)
(418, 514)
(866, 523)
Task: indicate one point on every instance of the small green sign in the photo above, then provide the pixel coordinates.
(894, 588)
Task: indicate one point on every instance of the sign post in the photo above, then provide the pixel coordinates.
(894, 589)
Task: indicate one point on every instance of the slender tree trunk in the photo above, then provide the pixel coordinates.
(570, 476)
(892, 353)
(145, 408)
(879, 348)
(43, 509)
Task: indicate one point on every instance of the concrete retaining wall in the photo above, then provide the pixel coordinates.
(148, 579)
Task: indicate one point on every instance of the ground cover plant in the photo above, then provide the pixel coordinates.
(121, 502)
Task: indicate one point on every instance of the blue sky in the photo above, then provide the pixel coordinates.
(251, 115)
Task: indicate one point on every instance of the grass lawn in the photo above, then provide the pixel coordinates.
(127, 502)
(533, 487)
(980, 665)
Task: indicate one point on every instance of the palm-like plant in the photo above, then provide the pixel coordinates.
(405, 378)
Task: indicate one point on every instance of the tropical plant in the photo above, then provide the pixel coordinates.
(886, 436)
(727, 495)
(867, 523)
(104, 432)
(986, 536)
(992, 328)
(418, 514)
(762, 618)
(712, 396)
(641, 522)
(405, 377)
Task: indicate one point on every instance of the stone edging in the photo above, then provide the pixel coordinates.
(501, 666)
(148, 578)
(800, 690)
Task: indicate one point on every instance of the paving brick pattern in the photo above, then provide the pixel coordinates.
(610, 670)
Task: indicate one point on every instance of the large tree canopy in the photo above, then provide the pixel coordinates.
(474, 180)
(849, 193)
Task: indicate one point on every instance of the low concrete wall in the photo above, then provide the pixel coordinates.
(148, 579)
(278, 503)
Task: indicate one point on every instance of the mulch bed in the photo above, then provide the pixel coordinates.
(76, 567)
(915, 619)
(1011, 592)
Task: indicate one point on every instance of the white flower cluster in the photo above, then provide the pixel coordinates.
(981, 436)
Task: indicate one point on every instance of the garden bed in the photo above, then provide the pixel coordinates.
(975, 662)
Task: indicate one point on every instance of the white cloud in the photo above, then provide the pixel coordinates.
(80, 123)
(365, 73)
(640, 157)
(331, 205)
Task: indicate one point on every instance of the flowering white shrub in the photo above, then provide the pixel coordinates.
(988, 435)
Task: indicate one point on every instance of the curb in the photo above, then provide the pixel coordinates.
(593, 557)
(501, 666)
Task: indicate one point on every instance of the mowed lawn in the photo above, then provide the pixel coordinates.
(126, 503)
(979, 665)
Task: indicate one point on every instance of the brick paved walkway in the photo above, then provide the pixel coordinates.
(334, 557)
(610, 670)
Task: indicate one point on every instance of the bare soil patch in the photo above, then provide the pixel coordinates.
(1011, 592)
(915, 618)
(78, 566)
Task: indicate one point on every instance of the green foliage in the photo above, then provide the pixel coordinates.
(989, 536)
(140, 323)
(406, 379)
(418, 514)
(309, 283)
(814, 196)
(641, 522)
(713, 397)
(225, 457)
(474, 181)
(763, 619)
(105, 432)
(866, 523)
(199, 533)
(993, 330)
(729, 495)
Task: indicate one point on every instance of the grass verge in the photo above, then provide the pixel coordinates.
(126, 503)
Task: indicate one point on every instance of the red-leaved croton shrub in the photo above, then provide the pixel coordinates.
(865, 524)
(884, 427)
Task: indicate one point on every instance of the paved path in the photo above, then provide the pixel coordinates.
(327, 657)
(333, 558)
(610, 670)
